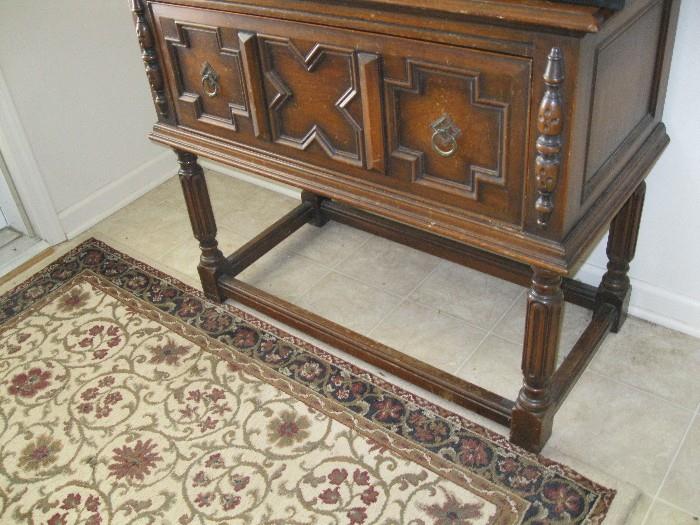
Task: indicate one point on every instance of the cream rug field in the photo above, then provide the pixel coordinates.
(127, 398)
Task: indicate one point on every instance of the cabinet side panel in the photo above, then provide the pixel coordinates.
(625, 88)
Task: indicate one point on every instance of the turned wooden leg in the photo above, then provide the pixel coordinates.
(532, 416)
(194, 186)
(615, 287)
(319, 219)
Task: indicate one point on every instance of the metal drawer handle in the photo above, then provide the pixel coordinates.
(445, 136)
(210, 80)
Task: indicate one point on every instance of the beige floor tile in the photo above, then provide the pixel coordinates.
(512, 326)
(620, 430)
(474, 296)
(243, 208)
(434, 337)
(328, 245)
(348, 302)
(284, 274)
(682, 487)
(663, 514)
(495, 366)
(653, 358)
(388, 265)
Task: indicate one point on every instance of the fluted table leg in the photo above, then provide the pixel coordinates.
(615, 287)
(532, 416)
(194, 186)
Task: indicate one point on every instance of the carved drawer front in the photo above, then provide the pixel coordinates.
(457, 126)
(445, 124)
(275, 85)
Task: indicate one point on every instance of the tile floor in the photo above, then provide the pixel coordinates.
(631, 422)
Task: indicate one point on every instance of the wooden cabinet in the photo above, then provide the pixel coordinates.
(504, 134)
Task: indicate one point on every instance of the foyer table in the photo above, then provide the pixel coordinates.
(505, 135)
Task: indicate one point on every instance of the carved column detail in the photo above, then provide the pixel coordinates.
(532, 417)
(622, 243)
(194, 186)
(549, 125)
(150, 59)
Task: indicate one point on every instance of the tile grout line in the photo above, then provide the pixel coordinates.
(489, 333)
(402, 301)
(671, 465)
(656, 396)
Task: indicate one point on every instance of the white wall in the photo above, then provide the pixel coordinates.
(666, 270)
(75, 76)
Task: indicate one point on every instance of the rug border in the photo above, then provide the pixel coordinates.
(607, 495)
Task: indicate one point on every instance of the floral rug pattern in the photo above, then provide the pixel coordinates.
(127, 397)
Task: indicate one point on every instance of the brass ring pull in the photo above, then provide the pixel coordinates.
(445, 135)
(210, 80)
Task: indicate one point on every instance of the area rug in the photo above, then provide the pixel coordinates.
(127, 397)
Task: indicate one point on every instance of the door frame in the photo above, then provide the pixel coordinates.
(30, 187)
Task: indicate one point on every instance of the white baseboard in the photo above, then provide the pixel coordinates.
(117, 194)
(289, 191)
(653, 303)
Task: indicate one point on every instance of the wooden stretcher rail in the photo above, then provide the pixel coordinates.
(575, 292)
(417, 372)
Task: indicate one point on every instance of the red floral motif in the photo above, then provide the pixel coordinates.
(96, 330)
(245, 337)
(369, 496)
(361, 477)
(134, 463)
(387, 409)
(215, 461)
(330, 496)
(230, 501)
(204, 499)
(474, 453)
(240, 482)
(338, 476)
(310, 370)
(189, 308)
(92, 503)
(526, 477)
(106, 381)
(168, 353)
(58, 519)
(71, 501)
(288, 429)
(357, 515)
(453, 512)
(73, 300)
(28, 384)
(428, 430)
(200, 479)
(90, 393)
(565, 499)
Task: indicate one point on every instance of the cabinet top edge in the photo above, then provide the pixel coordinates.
(542, 13)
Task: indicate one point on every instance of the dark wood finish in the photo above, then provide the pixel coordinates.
(422, 374)
(580, 355)
(615, 287)
(194, 187)
(269, 238)
(532, 417)
(447, 125)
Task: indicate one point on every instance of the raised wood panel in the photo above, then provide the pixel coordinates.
(620, 115)
(313, 96)
(194, 47)
(432, 93)
(478, 163)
